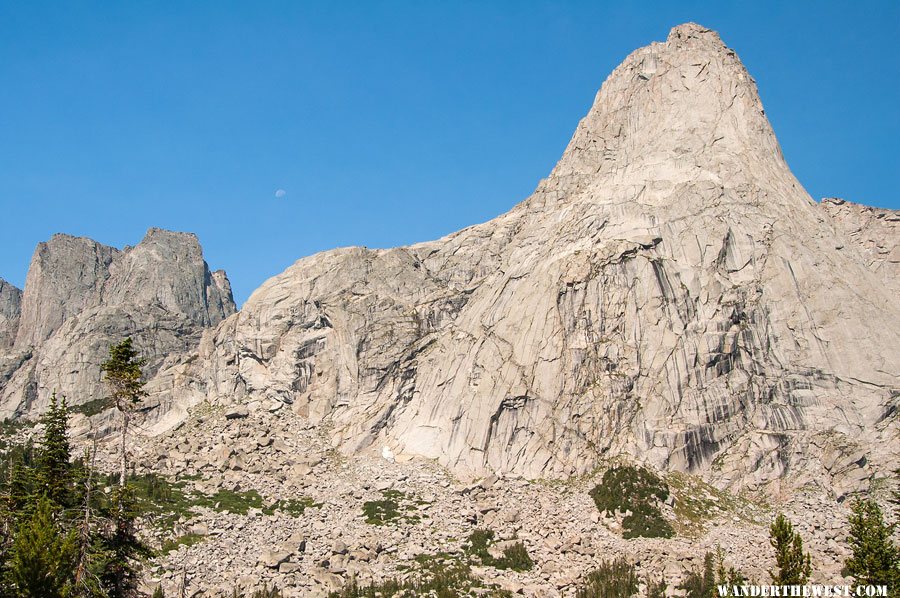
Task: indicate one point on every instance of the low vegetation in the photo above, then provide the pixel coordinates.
(92, 408)
(394, 506)
(515, 556)
(188, 539)
(440, 576)
(696, 503)
(703, 582)
(612, 579)
(637, 493)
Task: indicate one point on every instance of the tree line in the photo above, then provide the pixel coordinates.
(65, 533)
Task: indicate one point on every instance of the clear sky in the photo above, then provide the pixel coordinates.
(383, 123)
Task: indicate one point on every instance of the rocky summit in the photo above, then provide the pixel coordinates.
(669, 295)
(80, 297)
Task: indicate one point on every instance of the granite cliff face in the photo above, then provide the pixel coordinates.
(669, 292)
(10, 309)
(81, 296)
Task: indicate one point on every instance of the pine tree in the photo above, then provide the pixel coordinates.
(701, 584)
(21, 496)
(125, 380)
(793, 564)
(656, 588)
(42, 559)
(121, 545)
(54, 473)
(875, 559)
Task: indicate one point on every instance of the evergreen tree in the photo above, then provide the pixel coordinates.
(612, 579)
(42, 559)
(121, 545)
(656, 588)
(701, 584)
(875, 559)
(54, 459)
(725, 575)
(125, 380)
(793, 565)
(20, 497)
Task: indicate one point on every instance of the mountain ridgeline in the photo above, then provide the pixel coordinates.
(669, 292)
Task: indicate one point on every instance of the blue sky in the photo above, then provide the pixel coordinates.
(385, 123)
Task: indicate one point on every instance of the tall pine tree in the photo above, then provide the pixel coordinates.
(125, 380)
(793, 565)
(54, 473)
(875, 559)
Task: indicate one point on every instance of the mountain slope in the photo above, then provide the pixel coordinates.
(670, 292)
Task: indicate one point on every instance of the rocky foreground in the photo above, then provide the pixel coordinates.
(280, 455)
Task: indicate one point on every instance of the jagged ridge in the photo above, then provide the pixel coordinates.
(80, 296)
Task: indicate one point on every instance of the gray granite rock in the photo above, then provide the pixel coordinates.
(10, 309)
(81, 297)
(669, 292)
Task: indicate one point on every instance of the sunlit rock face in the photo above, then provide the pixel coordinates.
(80, 297)
(670, 292)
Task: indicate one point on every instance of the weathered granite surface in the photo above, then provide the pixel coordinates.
(670, 292)
(10, 309)
(80, 297)
(875, 232)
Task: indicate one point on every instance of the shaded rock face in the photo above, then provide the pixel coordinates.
(10, 308)
(63, 279)
(670, 292)
(80, 297)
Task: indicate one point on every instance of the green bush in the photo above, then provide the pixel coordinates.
(612, 579)
(92, 407)
(293, 507)
(514, 557)
(638, 491)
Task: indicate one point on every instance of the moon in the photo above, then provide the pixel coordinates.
(280, 193)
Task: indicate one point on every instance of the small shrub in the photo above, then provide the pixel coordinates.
(231, 501)
(612, 579)
(514, 557)
(265, 592)
(92, 408)
(293, 507)
(656, 589)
